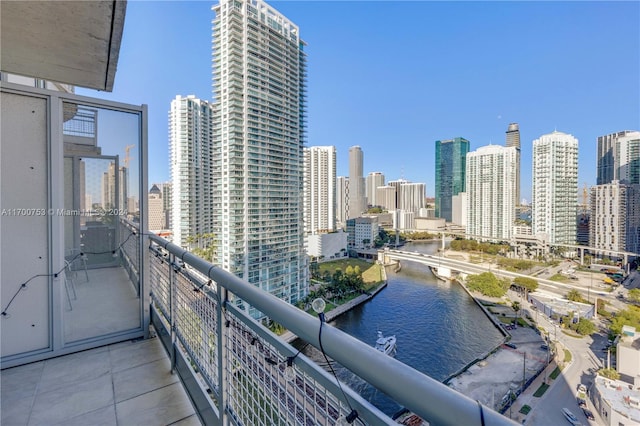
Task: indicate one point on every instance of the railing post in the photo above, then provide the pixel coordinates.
(172, 309)
(223, 378)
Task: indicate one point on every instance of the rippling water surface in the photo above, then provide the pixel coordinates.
(439, 328)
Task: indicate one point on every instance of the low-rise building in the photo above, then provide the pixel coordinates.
(617, 402)
(326, 247)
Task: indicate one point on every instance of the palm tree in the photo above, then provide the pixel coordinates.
(516, 307)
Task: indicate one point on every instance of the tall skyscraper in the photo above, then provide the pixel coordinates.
(191, 129)
(411, 197)
(319, 189)
(451, 159)
(357, 196)
(342, 201)
(615, 217)
(259, 83)
(156, 212)
(491, 184)
(374, 180)
(513, 140)
(619, 157)
(555, 187)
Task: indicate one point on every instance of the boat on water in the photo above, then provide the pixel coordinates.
(386, 345)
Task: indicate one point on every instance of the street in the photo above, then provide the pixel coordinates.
(587, 357)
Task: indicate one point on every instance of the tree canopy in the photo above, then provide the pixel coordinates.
(634, 294)
(629, 316)
(488, 284)
(526, 283)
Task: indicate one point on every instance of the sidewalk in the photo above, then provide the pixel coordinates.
(527, 397)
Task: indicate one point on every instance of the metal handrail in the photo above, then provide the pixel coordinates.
(419, 393)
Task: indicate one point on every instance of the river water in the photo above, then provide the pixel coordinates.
(439, 328)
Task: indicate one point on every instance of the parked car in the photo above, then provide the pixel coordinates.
(582, 388)
(570, 417)
(511, 345)
(581, 403)
(545, 347)
(587, 413)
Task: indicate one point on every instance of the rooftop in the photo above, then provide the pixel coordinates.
(620, 397)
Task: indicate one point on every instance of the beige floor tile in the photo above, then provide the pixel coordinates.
(101, 417)
(16, 413)
(189, 421)
(20, 382)
(71, 401)
(132, 354)
(142, 379)
(75, 368)
(161, 407)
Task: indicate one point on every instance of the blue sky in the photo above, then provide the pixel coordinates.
(394, 77)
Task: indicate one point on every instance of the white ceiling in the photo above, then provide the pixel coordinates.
(73, 42)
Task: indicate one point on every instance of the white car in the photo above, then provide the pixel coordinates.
(571, 417)
(582, 388)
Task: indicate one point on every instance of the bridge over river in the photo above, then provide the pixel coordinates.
(443, 266)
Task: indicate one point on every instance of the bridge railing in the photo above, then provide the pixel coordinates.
(238, 372)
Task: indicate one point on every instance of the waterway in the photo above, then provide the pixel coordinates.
(439, 328)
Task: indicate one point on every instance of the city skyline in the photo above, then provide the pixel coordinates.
(414, 81)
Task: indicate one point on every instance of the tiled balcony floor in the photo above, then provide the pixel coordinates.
(127, 383)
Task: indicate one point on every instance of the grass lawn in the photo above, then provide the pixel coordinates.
(541, 390)
(371, 272)
(559, 278)
(525, 409)
(555, 373)
(567, 356)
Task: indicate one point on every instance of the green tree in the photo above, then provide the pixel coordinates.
(526, 283)
(585, 327)
(516, 307)
(634, 294)
(203, 245)
(629, 316)
(575, 296)
(487, 284)
(609, 373)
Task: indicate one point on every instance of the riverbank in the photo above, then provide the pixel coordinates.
(289, 337)
(498, 377)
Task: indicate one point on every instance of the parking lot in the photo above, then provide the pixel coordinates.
(492, 380)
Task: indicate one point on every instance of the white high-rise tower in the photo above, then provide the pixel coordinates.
(259, 83)
(555, 187)
(319, 189)
(190, 137)
(357, 195)
(491, 184)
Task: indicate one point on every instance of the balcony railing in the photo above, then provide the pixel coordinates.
(238, 372)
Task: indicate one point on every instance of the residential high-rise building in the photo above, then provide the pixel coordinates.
(555, 187)
(411, 196)
(619, 157)
(319, 189)
(357, 196)
(342, 201)
(451, 158)
(513, 140)
(615, 217)
(491, 184)
(374, 180)
(167, 203)
(259, 83)
(386, 196)
(191, 129)
(156, 212)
